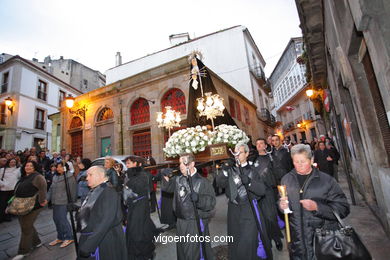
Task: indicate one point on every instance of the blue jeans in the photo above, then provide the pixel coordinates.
(64, 231)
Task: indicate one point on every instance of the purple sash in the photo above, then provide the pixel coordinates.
(202, 230)
(260, 248)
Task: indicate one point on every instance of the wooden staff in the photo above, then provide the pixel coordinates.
(283, 193)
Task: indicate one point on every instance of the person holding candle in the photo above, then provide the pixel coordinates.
(312, 196)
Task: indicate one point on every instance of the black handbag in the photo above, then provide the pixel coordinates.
(342, 243)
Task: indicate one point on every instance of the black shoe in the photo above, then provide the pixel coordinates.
(279, 245)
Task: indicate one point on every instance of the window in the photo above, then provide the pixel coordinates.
(61, 97)
(174, 98)
(40, 119)
(238, 110)
(246, 116)
(142, 145)
(76, 122)
(105, 114)
(42, 90)
(313, 133)
(235, 110)
(4, 83)
(139, 112)
(3, 114)
(232, 107)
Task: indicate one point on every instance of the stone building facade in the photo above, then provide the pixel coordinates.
(121, 117)
(348, 43)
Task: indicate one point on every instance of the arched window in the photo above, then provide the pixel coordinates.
(76, 122)
(174, 98)
(139, 112)
(105, 114)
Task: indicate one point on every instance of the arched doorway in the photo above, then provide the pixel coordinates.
(76, 136)
(105, 131)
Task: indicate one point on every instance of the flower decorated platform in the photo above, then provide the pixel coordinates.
(206, 145)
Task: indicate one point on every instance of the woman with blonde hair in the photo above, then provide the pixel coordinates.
(111, 174)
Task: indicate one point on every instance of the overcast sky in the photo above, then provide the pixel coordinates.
(92, 31)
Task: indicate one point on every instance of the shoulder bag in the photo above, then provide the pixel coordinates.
(21, 206)
(343, 243)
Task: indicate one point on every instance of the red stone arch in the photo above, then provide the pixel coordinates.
(76, 122)
(139, 112)
(176, 99)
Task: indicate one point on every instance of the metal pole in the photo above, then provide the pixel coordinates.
(71, 213)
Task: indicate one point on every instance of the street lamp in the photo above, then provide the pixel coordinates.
(169, 120)
(210, 106)
(80, 111)
(10, 104)
(309, 93)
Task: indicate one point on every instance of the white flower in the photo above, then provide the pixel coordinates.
(193, 143)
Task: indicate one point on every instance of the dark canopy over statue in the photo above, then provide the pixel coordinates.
(203, 81)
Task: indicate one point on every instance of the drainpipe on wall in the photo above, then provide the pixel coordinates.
(121, 127)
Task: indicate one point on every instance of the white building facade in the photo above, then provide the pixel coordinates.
(291, 105)
(231, 53)
(35, 94)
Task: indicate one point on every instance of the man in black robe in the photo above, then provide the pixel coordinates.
(204, 197)
(263, 166)
(244, 223)
(281, 159)
(140, 229)
(99, 220)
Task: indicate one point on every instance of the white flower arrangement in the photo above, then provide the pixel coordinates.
(195, 139)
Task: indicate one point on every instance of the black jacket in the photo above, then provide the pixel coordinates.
(281, 162)
(324, 190)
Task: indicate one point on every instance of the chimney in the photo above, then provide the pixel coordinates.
(118, 59)
(35, 59)
(61, 57)
(176, 39)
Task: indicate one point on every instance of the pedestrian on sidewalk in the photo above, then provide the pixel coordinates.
(9, 176)
(100, 220)
(31, 183)
(58, 197)
(324, 159)
(312, 195)
(82, 184)
(112, 175)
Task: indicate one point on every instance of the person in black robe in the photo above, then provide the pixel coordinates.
(263, 166)
(323, 158)
(140, 229)
(281, 159)
(204, 197)
(165, 203)
(248, 241)
(99, 220)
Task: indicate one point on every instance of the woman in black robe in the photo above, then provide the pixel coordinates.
(140, 229)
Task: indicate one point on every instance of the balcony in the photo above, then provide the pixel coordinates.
(289, 126)
(266, 116)
(259, 75)
(308, 116)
